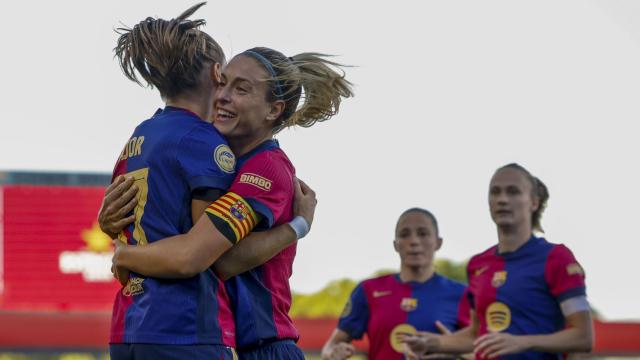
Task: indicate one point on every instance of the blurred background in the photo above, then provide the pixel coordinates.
(446, 92)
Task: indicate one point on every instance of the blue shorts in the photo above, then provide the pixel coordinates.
(277, 350)
(170, 352)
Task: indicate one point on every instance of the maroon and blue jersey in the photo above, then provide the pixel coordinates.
(261, 297)
(520, 292)
(172, 156)
(386, 308)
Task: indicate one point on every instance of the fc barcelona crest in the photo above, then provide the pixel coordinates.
(239, 210)
(499, 278)
(409, 304)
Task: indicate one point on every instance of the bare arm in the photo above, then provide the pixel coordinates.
(338, 347)
(577, 337)
(259, 247)
(186, 255)
(179, 256)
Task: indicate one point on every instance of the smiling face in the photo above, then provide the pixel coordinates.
(416, 240)
(241, 109)
(511, 199)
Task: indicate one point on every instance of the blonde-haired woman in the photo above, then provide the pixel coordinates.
(259, 94)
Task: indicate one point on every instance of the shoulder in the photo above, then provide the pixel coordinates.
(198, 129)
(378, 281)
(560, 254)
(453, 285)
(273, 159)
(483, 257)
(269, 169)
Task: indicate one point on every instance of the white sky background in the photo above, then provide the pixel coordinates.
(446, 92)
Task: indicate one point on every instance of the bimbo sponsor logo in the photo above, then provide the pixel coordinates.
(256, 180)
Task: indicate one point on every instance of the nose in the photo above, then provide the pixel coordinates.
(414, 240)
(223, 94)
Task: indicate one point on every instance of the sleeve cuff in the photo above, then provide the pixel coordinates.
(568, 294)
(267, 216)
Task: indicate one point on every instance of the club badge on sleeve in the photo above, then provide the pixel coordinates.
(225, 159)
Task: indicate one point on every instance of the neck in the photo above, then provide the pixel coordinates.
(241, 146)
(512, 238)
(200, 106)
(416, 273)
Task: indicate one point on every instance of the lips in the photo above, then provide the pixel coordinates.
(223, 115)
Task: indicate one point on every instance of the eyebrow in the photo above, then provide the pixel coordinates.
(238, 79)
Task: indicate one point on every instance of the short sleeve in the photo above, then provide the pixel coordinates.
(563, 274)
(205, 160)
(355, 315)
(265, 181)
(468, 292)
(464, 309)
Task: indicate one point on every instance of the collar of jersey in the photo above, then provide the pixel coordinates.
(264, 146)
(524, 250)
(417, 283)
(168, 109)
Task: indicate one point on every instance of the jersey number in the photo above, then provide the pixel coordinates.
(140, 179)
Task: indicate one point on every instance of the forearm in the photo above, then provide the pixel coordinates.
(460, 342)
(256, 249)
(338, 346)
(179, 256)
(168, 258)
(564, 341)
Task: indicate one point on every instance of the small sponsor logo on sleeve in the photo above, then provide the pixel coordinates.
(256, 180)
(575, 269)
(225, 159)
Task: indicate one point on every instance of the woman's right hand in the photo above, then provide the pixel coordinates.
(339, 351)
(119, 200)
(417, 345)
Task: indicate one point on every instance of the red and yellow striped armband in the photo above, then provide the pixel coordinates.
(232, 216)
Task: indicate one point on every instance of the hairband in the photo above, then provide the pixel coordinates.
(267, 64)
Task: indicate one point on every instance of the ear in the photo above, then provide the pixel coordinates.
(395, 246)
(438, 243)
(276, 109)
(535, 203)
(216, 72)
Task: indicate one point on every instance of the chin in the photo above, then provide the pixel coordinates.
(225, 129)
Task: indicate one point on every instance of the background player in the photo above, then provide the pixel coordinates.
(258, 96)
(528, 294)
(415, 299)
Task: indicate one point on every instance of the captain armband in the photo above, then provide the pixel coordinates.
(232, 216)
(574, 305)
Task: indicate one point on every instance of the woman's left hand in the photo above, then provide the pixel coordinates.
(497, 344)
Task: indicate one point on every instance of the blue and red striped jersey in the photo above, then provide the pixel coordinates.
(385, 308)
(520, 292)
(261, 297)
(170, 156)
